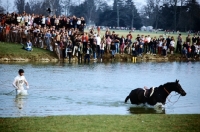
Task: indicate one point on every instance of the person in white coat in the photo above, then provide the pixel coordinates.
(19, 82)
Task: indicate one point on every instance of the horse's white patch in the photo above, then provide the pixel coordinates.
(158, 105)
(152, 91)
(22, 92)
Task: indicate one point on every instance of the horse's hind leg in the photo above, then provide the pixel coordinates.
(126, 99)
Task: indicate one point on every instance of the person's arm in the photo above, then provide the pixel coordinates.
(27, 86)
(14, 83)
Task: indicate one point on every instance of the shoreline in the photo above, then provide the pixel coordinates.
(10, 52)
(105, 58)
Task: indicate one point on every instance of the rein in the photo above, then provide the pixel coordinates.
(171, 96)
(174, 101)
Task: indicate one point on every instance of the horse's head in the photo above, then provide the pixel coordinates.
(179, 89)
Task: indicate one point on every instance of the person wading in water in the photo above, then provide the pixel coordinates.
(19, 82)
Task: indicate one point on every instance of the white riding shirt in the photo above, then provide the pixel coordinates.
(19, 82)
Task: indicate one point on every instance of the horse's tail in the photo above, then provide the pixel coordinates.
(126, 99)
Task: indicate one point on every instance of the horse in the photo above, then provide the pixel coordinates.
(155, 95)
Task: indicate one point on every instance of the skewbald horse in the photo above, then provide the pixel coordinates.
(154, 95)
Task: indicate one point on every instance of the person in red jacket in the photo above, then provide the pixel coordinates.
(85, 42)
(98, 29)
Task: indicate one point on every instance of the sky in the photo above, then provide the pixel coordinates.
(138, 3)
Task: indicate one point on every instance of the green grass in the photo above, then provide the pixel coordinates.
(15, 50)
(145, 33)
(103, 123)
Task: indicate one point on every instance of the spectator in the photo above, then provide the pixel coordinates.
(168, 42)
(129, 35)
(122, 43)
(164, 49)
(128, 44)
(98, 39)
(80, 51)
(141, 47)
(193, 49)
(179, 44)
(69, 50)
(88, 53)
(117, 40)
(172, 44)
(188, 50)
(98, 30)
(48, 40)
(185, 52)
(94, 48)
(133, 49)
(85, 42)
(28, 46)
(108, 43)
(113, 49)
(160, 44)
(102, 49)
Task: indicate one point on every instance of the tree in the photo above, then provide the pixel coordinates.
(156, 13)
(56, 7)
(166, 17)
(121, 14)
(28, 8)
(1, 8)
(117, 7)
(90, 10)
(20, 4)
(45, 5)
(87, 9)
(149, 13)
(132, 16)
(100, 16)
(193, 13)
(7, 5)
(174, 4)
(65, 4)
(36, 7)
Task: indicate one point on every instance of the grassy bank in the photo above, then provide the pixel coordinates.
(13, 51)
(103, 123)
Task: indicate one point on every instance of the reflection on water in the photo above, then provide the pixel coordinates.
(146, 110)
(19, 101)
(96, 88)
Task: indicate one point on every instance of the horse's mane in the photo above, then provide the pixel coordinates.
(168, 83)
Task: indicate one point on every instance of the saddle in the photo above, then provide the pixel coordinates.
(148, 92)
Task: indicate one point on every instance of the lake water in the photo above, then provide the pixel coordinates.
(96, 88)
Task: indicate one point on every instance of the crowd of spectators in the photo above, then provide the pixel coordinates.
(66, 36)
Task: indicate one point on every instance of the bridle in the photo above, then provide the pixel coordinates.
(166, 91)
